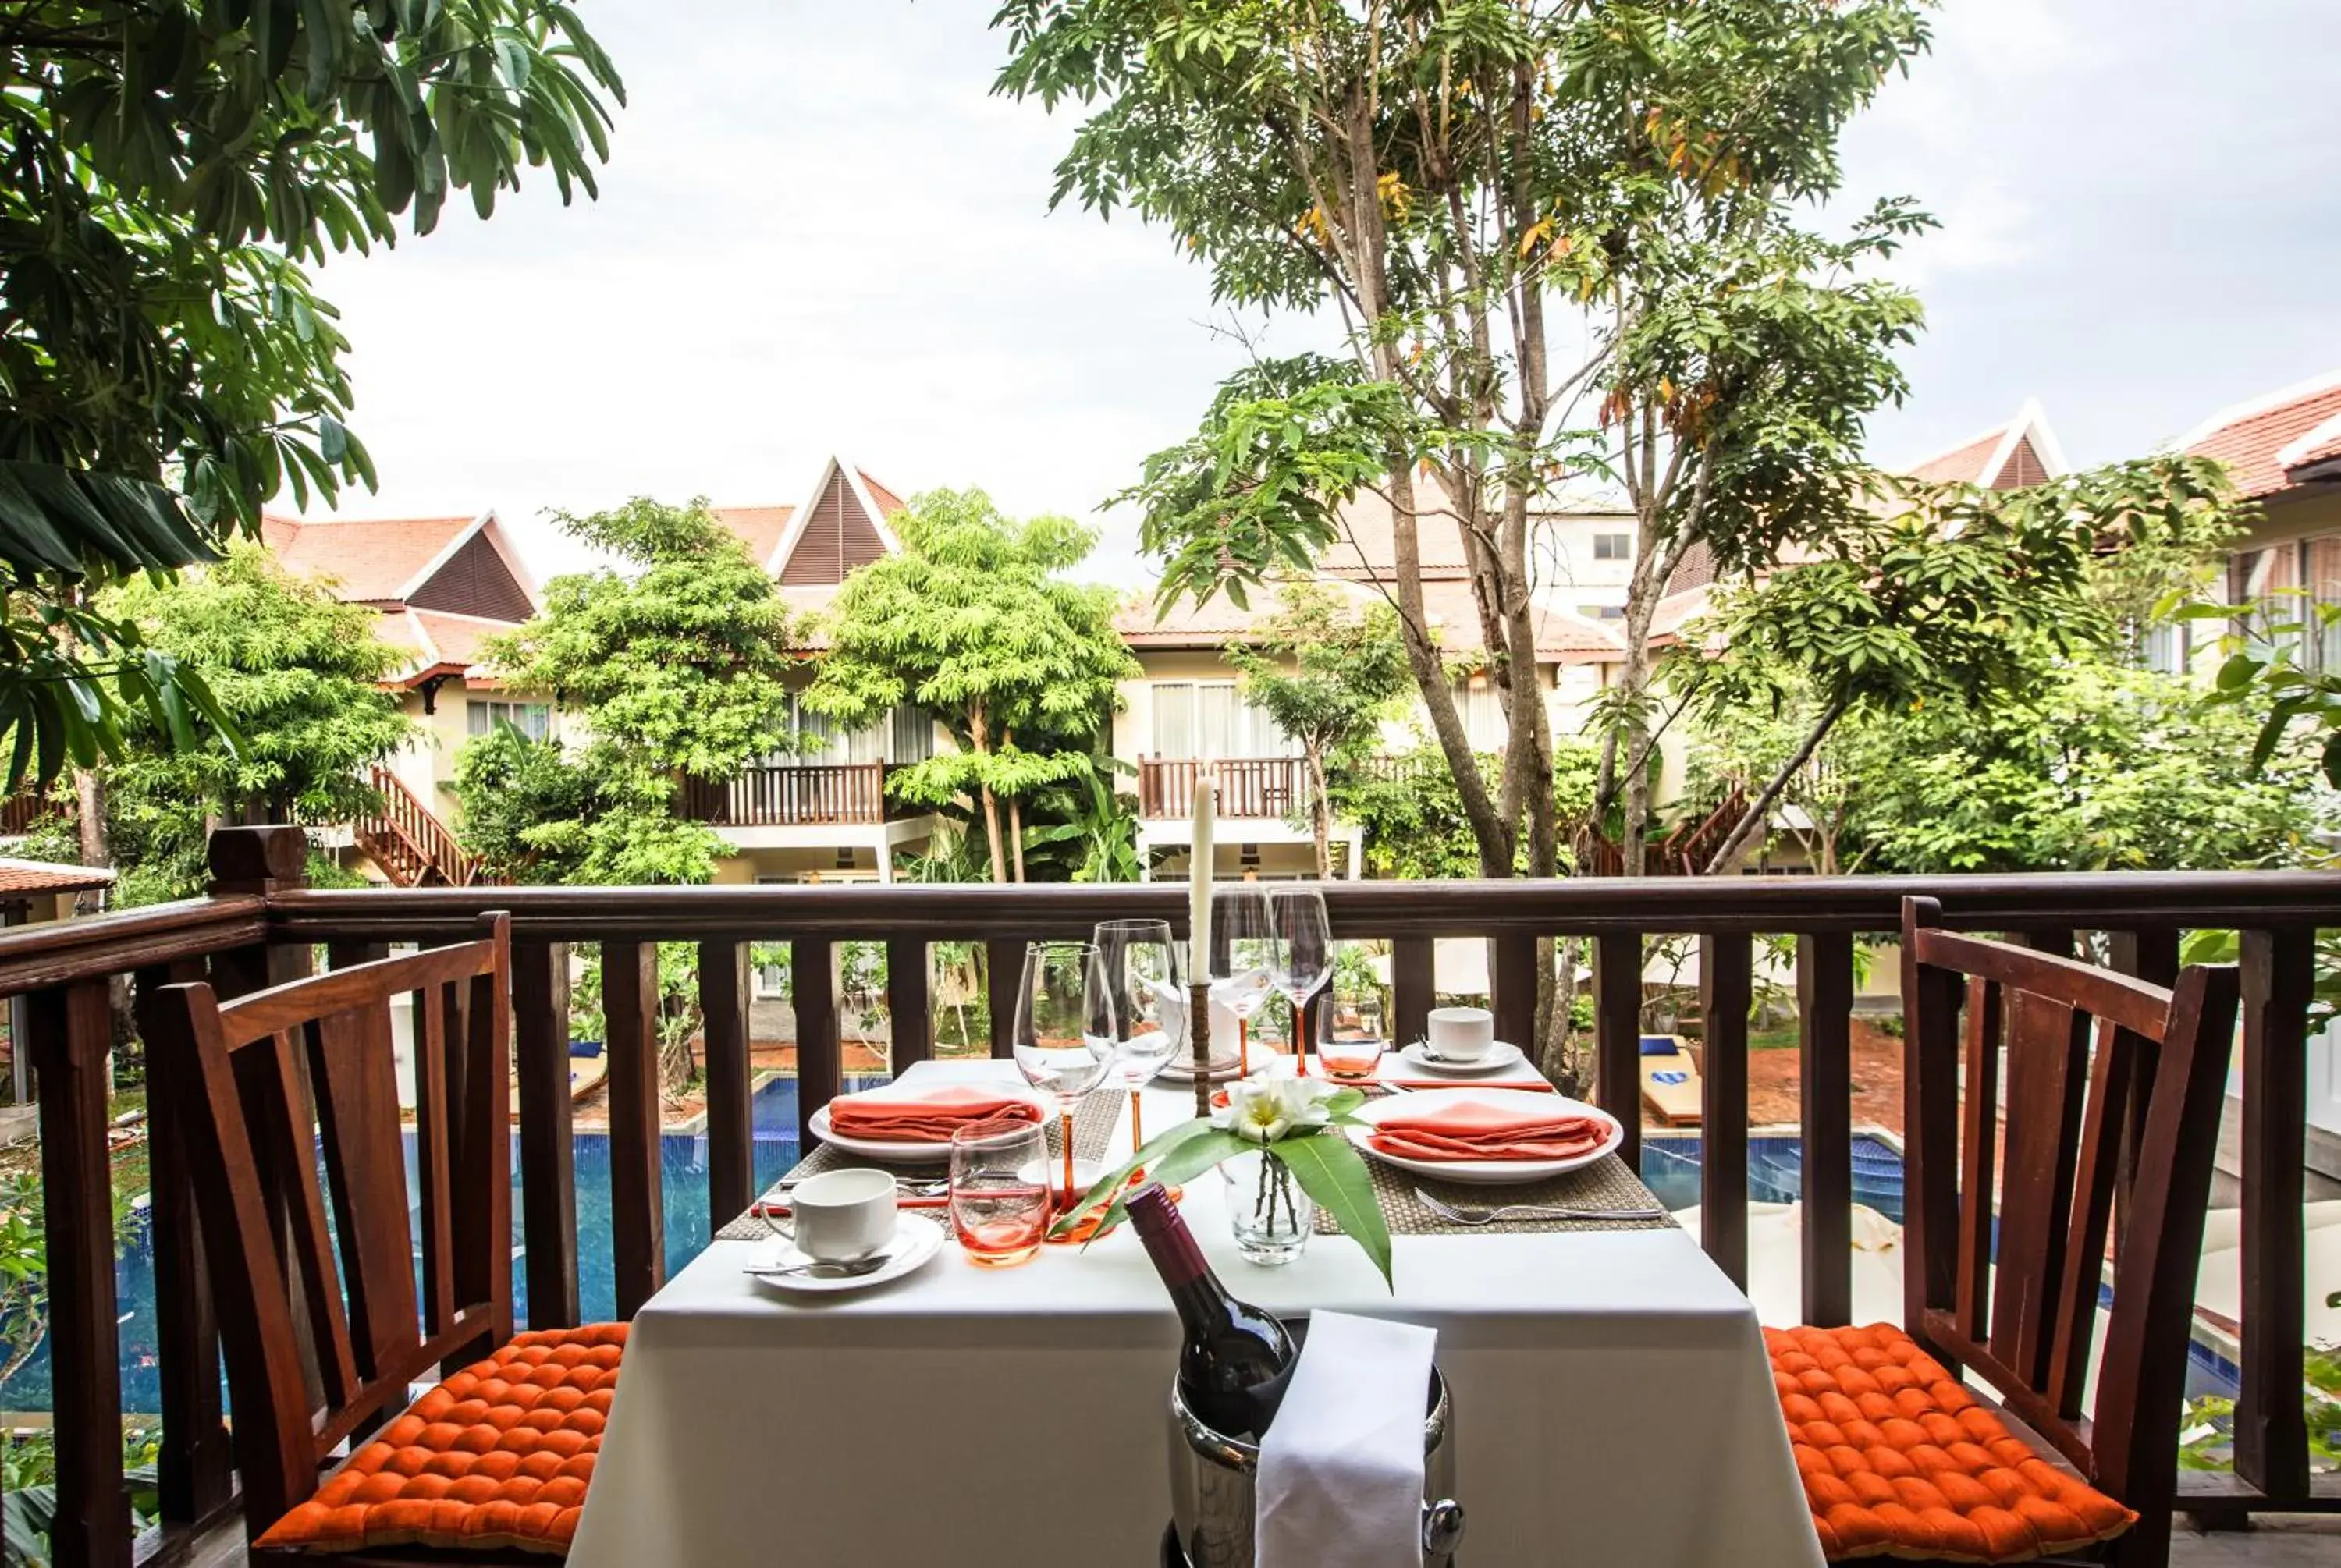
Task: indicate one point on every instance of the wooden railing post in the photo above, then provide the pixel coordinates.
(1725, 971)
(1514, 979)
(1618, 1036)
(1825, 1076)
(194, 1468)
(724, 973)
(72, 1029)
(548, 1159)
(910, 1009)
(1003, 971)
(818, 1066)
(2271, 1436)
(1413, 987)
(637, 1201)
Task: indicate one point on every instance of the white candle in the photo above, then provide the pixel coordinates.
(1199, 880)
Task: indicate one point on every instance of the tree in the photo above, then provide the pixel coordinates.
(973, 624)
(1465, 181)
(173, 168)
(1345, 672)
(676, 672)
(1943, 594)
(298, 673)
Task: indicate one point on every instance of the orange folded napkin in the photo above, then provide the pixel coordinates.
(1460, 1128)
(1526, 1086)
(890, 1115)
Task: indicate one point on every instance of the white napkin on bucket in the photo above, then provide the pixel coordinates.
(1341, 1471)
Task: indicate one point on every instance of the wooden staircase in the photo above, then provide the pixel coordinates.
(1684, 852)
(408, 841)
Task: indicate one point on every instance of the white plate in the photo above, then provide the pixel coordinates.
(1500, 1057)
(1488, 1173)
(901, 1153)
(917, 1239)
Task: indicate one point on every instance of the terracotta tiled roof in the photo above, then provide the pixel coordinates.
(44, 877)
(1961, 464)
(2248, 436)
(2322, 445)
(370, 561)
(758, 527)
(1367, 547)
(889, 503)
(1454, 616)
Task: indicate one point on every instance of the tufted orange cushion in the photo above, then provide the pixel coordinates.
(496, 1456)
(1899, 1460)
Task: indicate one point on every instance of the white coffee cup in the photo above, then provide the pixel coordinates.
(1462, 1033)
(842, 1216)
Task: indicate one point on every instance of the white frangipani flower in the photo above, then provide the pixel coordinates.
(1265, 1109)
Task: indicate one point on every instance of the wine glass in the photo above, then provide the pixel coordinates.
(1242, 959)
(1352, 1025)
(1145, 981)
(1304, 954)
(1063, 1041)
(999, 1209)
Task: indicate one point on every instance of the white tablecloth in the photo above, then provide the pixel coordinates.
(1613, 1406)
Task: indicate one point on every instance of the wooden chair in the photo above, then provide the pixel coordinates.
(2109, 1123)
(320, 1349)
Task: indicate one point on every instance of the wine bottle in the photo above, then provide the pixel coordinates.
(1234, 1359)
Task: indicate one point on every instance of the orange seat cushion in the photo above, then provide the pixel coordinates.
(498, 1455)
(1899, 1460)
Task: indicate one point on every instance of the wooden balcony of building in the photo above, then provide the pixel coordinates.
(1249, 788)
(807, 795)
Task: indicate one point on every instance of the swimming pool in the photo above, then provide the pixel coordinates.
(683, 1171)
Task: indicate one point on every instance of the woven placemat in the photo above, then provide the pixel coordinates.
(1093, 1122)
(1605, 1184)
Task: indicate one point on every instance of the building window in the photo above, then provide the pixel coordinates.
(533, 720)
(1204, 720)
(2265, 585)
(2164, 648)
(906, 734)
(1481, 709)
(1613, 547)
(1602, 611)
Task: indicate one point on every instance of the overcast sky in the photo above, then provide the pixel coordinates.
(818, 233)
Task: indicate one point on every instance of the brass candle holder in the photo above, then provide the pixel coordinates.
(1199, 1042)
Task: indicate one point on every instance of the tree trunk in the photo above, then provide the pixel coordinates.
(1759, 809)
(1016, 832)
(1320, 812)
(978, 743)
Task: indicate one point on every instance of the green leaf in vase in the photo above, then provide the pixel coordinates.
(1332, 1173)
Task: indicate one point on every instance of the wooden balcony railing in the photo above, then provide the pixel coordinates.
(815, 796)
(260, 926)
(1252, 786)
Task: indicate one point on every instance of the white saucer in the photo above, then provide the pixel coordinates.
(1500, 1057)
(917, 1239)
(1179, 1069)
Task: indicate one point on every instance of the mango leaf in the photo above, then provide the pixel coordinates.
(1111, 1183)
(1331, 1171)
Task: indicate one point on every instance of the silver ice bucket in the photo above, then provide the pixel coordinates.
(1213, 1476)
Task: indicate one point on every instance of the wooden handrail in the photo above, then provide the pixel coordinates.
(819, 794)
(1249, 788)
(419, 846)
(268, 930)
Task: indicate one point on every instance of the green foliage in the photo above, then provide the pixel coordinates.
(1950, 594)
(1327, 678)
(676, 669)
(297, 673)
(1412, 815)
(1087, 831)
(2208, 1432)
(973, 623)
(1470, 182)
(172, 168)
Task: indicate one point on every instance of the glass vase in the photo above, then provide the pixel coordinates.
(1272, 1216)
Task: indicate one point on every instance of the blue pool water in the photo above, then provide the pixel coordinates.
(1670, 1166)
(683, 1160)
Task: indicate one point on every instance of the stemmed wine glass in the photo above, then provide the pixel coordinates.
(1063, 1041)
(1303, 959)
(1145, 983)
(1242, 960)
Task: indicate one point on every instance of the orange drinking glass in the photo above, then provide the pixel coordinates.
(999, 1198)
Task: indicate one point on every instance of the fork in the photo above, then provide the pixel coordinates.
(1447, 1211)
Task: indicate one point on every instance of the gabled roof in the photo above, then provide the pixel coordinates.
(758, 527)
(2023, 450)
(2264, 442)
(842, 525)
(1367, 547)
(385, 561)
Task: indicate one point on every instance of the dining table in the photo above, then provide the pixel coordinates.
(1613, 1403)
